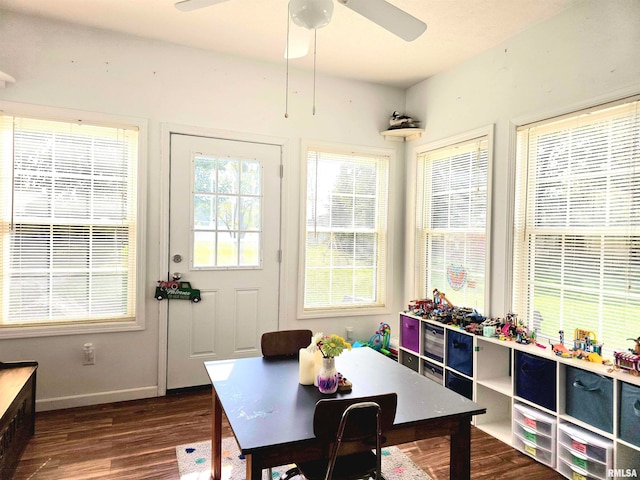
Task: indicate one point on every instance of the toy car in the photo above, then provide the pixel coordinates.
(628, 361)
(177, 290)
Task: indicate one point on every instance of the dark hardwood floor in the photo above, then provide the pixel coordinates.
(136, 440)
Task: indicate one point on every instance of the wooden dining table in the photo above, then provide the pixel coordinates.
(271, 413)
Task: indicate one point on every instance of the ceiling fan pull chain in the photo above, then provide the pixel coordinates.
(315, 54)
(286, 83)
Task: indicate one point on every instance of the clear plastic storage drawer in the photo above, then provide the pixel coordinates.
(582, 463)
(593, 447)
(534, 419)
(543, 455)
(535, 438)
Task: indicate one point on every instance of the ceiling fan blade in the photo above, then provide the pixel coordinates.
(298, 42)
(389, 17)
(188, 5)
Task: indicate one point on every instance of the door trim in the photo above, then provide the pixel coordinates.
(166, 129)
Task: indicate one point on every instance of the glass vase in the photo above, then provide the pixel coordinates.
(317, 364)
(328, 376)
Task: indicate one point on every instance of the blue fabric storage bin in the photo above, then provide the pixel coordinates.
(630, 414)
(459, 384)
(589, 397)
(535, 379)
(460, 352)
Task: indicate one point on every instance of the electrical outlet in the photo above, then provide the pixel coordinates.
(89, 357)
(349, 333)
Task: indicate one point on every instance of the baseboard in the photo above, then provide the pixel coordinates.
(58, 403)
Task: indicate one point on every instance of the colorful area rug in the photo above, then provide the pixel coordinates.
(194, 463)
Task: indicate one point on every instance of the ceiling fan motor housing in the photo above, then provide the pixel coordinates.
(311, 14)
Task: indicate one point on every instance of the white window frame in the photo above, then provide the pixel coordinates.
(94, 118)
(303, 313)
(516, 298)
(414, 272)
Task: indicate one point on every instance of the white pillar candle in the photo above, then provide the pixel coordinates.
(307, 367)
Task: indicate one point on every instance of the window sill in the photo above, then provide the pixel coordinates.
(343, 312)
(7, 332)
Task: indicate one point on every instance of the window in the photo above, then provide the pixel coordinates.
(451, 222)
(345, 243)
(577, 224)
(227, 212)
(68, 223)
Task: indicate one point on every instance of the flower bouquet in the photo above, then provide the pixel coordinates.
(330, 346)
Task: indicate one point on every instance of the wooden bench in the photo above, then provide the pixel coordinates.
(17, 412)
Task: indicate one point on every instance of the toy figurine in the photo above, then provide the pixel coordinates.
(399, 120)
(629, 360)
(381, 339)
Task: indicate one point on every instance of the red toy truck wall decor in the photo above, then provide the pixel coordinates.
(177, 290)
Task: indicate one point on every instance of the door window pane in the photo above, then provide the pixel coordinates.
(227, 212)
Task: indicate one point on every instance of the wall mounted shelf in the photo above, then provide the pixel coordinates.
(402, 134)
(5, 78)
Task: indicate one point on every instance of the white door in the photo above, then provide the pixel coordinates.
(224, 239)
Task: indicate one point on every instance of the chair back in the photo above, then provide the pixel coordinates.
(284, 343)
(364, 419)
(362, 422)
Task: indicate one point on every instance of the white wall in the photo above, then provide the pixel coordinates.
(579, 58)
(586, 53)
(61, 65)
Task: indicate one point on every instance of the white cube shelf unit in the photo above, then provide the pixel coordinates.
(508, 378)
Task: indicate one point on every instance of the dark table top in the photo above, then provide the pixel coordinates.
(266, 405)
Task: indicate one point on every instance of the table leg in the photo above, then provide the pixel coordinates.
(216, 438)
(460, 454)
(254, 471)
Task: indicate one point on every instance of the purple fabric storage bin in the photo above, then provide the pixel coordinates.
(410, 333)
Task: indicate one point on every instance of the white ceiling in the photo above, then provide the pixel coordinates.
(350, 46)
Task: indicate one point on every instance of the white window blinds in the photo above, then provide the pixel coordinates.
(451, 222)
(346, 231)
(577, 225)
(68, 222)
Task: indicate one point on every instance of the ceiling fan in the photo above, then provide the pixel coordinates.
(314, 14)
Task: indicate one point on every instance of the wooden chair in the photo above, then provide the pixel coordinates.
(337, 422)
(284, 343)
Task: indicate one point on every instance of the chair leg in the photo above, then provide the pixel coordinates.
(292, 472)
